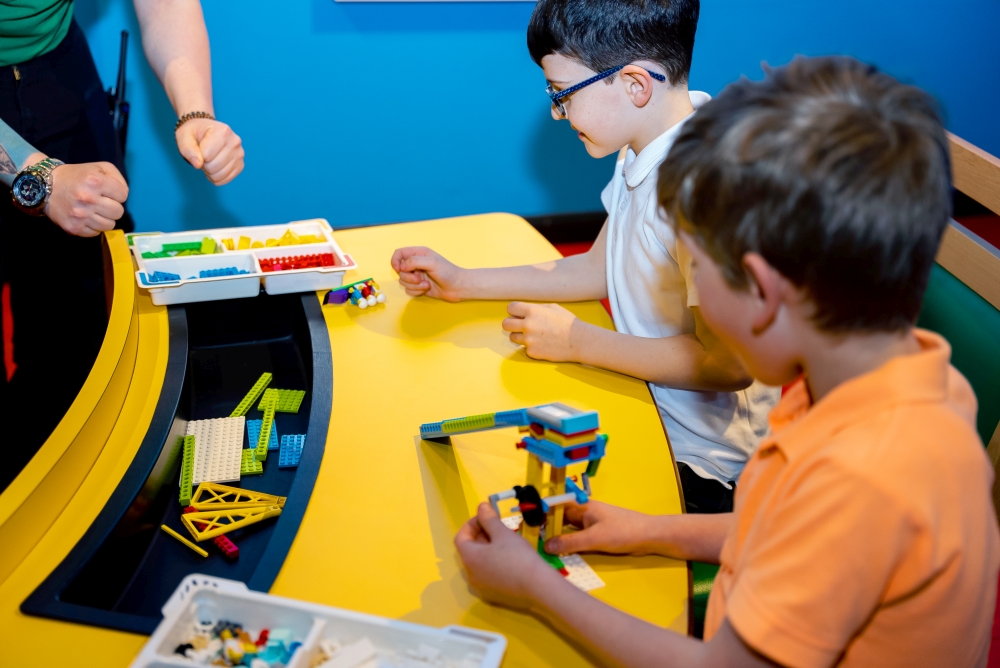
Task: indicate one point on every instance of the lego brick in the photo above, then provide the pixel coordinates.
(569, 441)
(225, 546)
(218, 444)
(183, 540)
(565, 419)
(186, 246)
(266, 427)
(253, 434)
(187, 444)
(249, 464)
(580, 574)
(287, 401)
(244, 406)
(228, 244)
(473, 423)
(552, 454)
(291, 450)
(243, 244)
(227, 271)
(210, 495)
(207, 246)
(162, 277)
(209, 524)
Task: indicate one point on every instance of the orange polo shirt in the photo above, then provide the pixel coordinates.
(864, 532)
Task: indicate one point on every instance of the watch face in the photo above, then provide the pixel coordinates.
(29, 190)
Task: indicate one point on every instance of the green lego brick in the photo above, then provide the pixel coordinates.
(553, 560)
(265, 431)
(484, 421)
(258, 387)
(286, 401)
(186, 246)
(592, 467)
(249, 464)
(149, 255)
(207, 246)
(187, 468)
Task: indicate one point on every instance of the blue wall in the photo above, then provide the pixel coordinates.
(368, 113)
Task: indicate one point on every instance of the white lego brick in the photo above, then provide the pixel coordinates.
(218, 446)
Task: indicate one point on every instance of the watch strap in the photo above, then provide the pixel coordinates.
(44, 168)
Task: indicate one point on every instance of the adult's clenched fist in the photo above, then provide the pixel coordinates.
(87, 198)
(212, 147)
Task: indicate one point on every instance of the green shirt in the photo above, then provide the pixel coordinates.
(29, 28)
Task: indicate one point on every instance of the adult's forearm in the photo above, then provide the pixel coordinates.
(176, 44)
(15, 154)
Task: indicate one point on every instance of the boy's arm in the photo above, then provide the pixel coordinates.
(696, 361)
(576, 278)
(504, 569)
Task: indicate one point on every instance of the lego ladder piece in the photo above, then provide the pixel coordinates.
(212, 523)
(554, 520)
(267, 424)
(258, 387)
(534, 479)
(187, 468)
(253, 434)
(211, 496)
(249, 464)
(291, 450)
(217, 449)
(287, 401)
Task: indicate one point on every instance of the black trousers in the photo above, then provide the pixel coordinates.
(56, 280)
(702, 495)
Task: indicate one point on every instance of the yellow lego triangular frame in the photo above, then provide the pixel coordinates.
(212, 523)
(213, 496)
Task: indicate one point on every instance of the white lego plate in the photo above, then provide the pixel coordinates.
(218, 446)
(581, 575)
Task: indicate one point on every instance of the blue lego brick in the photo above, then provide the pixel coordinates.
(227, 271)
(564, 419)
(473, 423)
(558, 456)
(159, 277)
(291, 450)
(253, 434)
(581, 496)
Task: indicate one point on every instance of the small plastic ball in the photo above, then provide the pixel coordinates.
(371, 300)
(381, 298)
(362, 303)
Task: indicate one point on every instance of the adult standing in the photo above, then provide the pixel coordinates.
(54, 110)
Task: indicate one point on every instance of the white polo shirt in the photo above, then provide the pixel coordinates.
(651, 291)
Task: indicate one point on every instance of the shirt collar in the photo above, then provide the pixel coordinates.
(638, 167)
(797, 424)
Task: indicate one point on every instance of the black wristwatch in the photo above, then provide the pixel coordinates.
(33, 185)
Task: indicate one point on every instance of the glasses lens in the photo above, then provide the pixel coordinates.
(551, 92)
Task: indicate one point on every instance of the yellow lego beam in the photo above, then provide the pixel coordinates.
(212, 523)
(213, 496)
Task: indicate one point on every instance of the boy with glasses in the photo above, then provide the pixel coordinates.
(617, 70)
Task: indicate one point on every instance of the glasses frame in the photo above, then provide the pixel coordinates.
(558, 96)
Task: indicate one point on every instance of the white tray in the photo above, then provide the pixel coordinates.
(205, 598)
(191, 288)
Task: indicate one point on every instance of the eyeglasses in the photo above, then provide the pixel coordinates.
(557, 96)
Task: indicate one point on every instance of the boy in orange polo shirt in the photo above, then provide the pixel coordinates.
(863, 534)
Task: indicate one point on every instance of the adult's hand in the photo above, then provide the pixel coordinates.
(212, 147)
(87, 198)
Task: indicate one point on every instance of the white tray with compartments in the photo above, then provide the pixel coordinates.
(191, 286)
(207, 600)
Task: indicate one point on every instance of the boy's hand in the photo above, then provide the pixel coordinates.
(424, 272)
(547, 331)
(499, 564)
(604, 528)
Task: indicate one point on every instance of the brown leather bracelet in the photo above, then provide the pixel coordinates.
(192, 114)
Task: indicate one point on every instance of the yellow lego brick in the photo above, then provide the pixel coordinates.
(212, 495)
(212, 523)
(256, 244)
(183, 540)
(228, 243)
(244, 406)
(244, 243)
(271, 243)
(310, 239)
(567, 441)
(207, 246)
(289, 238)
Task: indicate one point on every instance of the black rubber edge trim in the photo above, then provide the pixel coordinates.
(44, 601)
(312, 454)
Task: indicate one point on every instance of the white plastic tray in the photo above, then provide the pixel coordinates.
(205, 598)
(191, 288)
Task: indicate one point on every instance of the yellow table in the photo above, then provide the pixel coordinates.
(377, 535)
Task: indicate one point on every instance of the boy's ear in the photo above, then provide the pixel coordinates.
(638, 84)
(767, 286)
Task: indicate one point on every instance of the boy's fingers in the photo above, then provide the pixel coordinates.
(490, 522)
(569, 543)
(518, 338)
(418, 263)
(513, 324)
(412, 277)
(518, 309)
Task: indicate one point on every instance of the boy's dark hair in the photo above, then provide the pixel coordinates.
(838, 175)
(603, 34)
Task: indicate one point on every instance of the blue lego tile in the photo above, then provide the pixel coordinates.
(227, 271)
(253, 432)
(160, 277)
(564, 419)
(291, 450)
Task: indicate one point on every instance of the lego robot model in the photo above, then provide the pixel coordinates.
(554, 434)
(362, 294)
